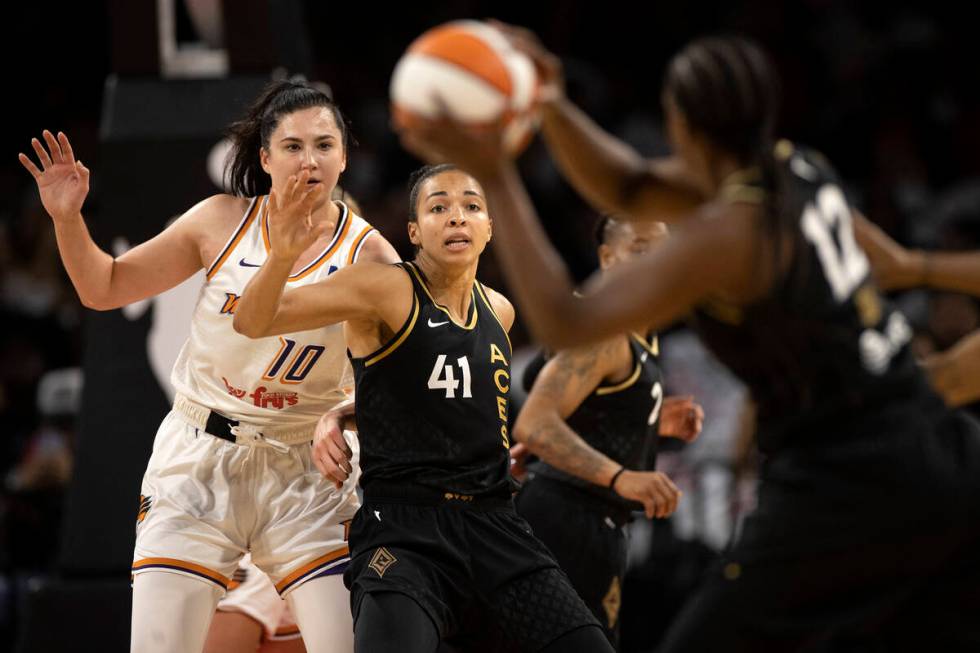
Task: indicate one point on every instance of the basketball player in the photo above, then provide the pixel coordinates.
(254, 617)
(438, 553)
(232, 470)
(591, 408)
(869, 502)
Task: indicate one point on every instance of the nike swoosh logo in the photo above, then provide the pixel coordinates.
(435, 324)
(248, 265)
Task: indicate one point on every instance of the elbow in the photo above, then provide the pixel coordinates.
(97, 303)
(246, 327)
(524, 432)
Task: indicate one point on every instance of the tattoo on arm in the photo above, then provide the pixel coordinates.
(550, 437)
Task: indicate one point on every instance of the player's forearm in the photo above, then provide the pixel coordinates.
(550, 439)
(955, 374)
(260, 302)
(603, 169)
(89, 268)
(958, 272)
(547, 304)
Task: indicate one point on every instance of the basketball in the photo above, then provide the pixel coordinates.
(469, 70)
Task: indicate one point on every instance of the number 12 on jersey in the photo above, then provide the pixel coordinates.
(448, 382)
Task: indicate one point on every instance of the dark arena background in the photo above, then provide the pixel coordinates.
(144, 90)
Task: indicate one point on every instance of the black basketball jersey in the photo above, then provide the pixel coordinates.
(621, 420)
(822, 346)
(432, 403)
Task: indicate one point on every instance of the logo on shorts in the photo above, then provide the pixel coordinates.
(144, 508)
(238, 578)
(381, 561)
(611, 602)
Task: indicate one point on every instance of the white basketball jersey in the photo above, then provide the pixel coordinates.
(282, 381)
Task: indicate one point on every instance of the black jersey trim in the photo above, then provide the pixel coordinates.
(486, 300)
(472, 319)
(397, 339)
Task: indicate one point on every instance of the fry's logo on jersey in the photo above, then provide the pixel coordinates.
(261, 398)
(231, 303)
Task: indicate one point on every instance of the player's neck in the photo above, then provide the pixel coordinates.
(720, 171)
(450, 286)
(328, 213)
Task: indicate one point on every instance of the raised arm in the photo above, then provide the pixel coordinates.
(102, 281)
(608, 173)
(561, 387)
(354, 292)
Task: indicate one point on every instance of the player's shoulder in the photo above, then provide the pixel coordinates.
(219, 210)
(377, 249)
(501, 306)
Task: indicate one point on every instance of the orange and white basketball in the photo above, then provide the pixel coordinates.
(469, 70)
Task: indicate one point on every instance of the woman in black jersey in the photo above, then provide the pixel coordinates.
(868, 517)
(595, 410)
(437, 551)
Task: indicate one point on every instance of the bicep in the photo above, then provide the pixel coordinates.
(567, 380)
(156, 265)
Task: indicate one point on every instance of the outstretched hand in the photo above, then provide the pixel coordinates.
(291, 228)
(61, 180)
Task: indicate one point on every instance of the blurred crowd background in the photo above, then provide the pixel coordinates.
(891, 96)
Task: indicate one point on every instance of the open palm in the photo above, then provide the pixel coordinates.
(291, 227)
(61, 180)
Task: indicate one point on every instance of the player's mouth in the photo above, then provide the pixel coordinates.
(457, 243)
(311, 181)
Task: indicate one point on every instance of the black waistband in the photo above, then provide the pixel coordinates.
(379, 492)
(220, 426)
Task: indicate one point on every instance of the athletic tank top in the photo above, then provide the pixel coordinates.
(432, 402)
(288, 380)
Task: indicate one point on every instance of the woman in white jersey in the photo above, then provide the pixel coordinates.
(232, 470)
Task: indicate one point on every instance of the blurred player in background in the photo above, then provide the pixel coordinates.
(868, 514)
(232, 470)
(595, 410)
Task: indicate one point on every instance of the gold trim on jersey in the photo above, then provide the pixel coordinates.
(608, 390)
(652, 346)
(343, 226)
(397, 340)
(236, 237)
(473, 311)
(486, 300)
(355, 248)
(742, 193)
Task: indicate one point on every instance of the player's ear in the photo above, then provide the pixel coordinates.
(264, 159)
(489, 229)
(413, 234)
(606, 256)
